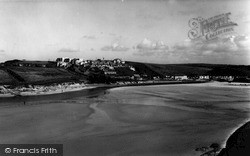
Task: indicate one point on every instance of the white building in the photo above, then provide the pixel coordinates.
(204, 77)
(63, 61)
(181, 77)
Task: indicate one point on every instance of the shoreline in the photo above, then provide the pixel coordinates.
(67, 89)
(92, 86)
(27, 94)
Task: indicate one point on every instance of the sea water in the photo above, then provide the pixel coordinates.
(138, 120)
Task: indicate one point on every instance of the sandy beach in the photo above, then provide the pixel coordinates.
(64, 88)
(43, 90)
(145, 120)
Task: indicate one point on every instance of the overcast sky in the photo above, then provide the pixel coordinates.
(136, 30)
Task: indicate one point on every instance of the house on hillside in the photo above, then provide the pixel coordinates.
(110, 72)
(137, 77)
(193, 77)
(157, 78)
(78, 61)
(180, 77)
(222, 78)
(169, 77)
(63, 61)
(118, 62)
(204, 77)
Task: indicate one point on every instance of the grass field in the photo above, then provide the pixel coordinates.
(5, 78)
(38, 75)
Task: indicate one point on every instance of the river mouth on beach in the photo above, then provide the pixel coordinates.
(141, 120)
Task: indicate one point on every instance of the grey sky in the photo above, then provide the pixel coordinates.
(138, 30)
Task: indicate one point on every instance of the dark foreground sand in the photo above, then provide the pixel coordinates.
(127, 121)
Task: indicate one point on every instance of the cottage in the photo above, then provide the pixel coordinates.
(109, 72)
(63, 61)
(118, 62)
(169, 77)
(157, 78)
(204, 77)
(78, 61)
(180, 77)
(223, 78)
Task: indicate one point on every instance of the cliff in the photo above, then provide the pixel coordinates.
(238, 144)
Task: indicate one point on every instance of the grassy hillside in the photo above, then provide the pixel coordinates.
(190, 69)
(5, 78)
(143, 68)
(36, 75)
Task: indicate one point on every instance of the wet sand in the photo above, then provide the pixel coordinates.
(148, 120)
